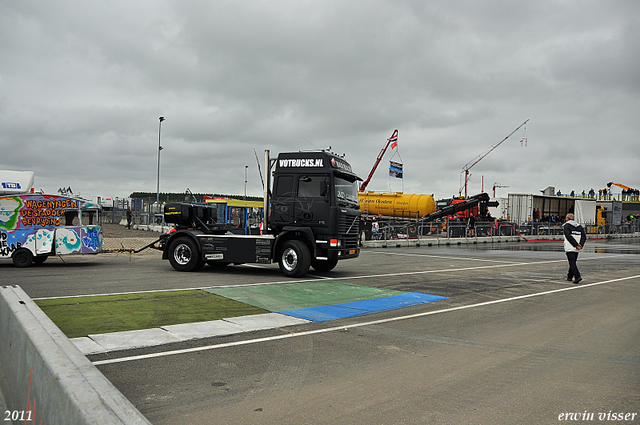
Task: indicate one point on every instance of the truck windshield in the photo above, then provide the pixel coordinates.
(346, 191)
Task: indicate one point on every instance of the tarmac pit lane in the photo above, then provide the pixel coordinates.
(340, 328)
(513, 339)
(489, 286)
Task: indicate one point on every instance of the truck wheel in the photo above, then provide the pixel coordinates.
(22, 258)
(184, 255)
(295, 259)
(323, 265)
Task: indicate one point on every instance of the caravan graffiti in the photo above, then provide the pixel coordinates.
(45, 213)
(7, 249)
(36, 226)
(9, 211)
(67, 241)
(52, 205)
(92, 240)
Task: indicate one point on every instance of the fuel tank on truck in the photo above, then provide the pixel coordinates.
(397, 204)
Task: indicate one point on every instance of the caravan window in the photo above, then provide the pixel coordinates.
(90, 218)
(71, 218)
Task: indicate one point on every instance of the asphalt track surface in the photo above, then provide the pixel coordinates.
(513, 343)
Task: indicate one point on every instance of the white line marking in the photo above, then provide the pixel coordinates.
(467, 268)
(174, 290)
(446, 257)
(277, 282)
(356, 325)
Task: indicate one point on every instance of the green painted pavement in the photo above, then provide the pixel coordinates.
(291, 296)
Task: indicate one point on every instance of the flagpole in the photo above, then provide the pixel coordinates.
(402, 182)
(401, 162)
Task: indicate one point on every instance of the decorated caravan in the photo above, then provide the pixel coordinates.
(35, 226)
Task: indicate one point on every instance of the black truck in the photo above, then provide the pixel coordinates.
(313, 220)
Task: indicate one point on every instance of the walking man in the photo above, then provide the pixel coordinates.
(129, 218)
(574, 239)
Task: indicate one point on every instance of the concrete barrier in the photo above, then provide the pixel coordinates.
(45, 379)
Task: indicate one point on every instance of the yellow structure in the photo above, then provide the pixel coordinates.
(246, 216)
(396, 204)
(601, 215)
(236, 203)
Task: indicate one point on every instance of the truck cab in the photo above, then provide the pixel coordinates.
(315, 200)
(313, 220)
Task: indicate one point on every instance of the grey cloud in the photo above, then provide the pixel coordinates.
(82, 86)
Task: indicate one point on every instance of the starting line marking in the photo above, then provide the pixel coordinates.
(356, 325)
(445, 257)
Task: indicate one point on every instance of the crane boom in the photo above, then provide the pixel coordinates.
(364, 184)
(474, 161)
(496, 185)
(619, 185)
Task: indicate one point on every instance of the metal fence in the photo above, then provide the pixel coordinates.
(396, 230)
(143, 212)
(391, 230)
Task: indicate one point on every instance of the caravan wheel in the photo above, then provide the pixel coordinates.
(22, 258)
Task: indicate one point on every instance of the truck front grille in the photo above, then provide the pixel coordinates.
(348, 228)
(348, 224)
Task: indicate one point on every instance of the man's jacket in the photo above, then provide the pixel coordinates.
(574, 234)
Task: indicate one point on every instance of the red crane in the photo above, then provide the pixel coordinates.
(393, 138)
(474, 161)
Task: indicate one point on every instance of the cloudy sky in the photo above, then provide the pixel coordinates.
(83, 83)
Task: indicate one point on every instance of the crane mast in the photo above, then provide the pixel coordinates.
(474, 161)
(364, 184)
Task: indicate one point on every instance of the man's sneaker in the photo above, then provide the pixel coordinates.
(569, 279)
(578, 280)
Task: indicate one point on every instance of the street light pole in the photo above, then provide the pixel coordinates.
(159, 149)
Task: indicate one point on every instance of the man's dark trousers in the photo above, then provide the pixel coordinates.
(573, 266)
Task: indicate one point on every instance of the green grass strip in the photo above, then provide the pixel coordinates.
(82, 316)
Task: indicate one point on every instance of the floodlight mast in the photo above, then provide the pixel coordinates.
(474, 161)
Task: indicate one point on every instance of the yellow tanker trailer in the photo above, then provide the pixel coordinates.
(397, 204)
